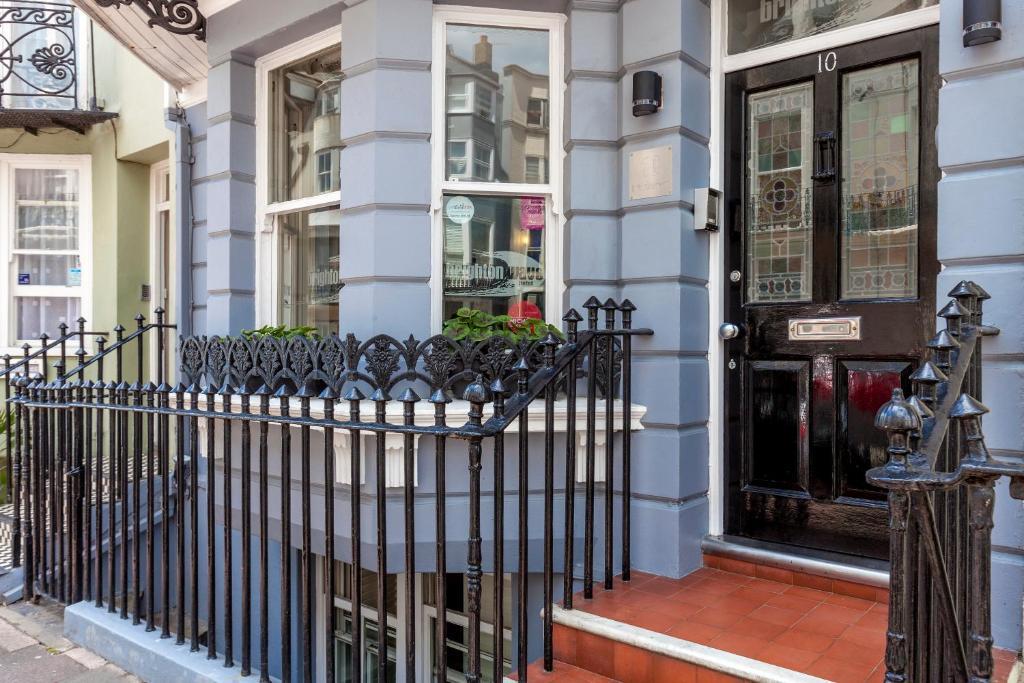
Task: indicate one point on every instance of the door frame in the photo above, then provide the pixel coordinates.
(721, 65)
(163, 262)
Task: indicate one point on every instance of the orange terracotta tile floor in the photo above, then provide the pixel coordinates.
(823, 633)
(562, 672)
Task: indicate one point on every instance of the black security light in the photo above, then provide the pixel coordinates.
(983, 22)
(646, 93)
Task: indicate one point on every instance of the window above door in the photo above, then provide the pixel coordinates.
(755, 24)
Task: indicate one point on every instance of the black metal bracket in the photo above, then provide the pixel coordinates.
(1017, 487)
(824, 156)
(176, 16)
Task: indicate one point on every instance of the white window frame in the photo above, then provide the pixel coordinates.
(552, 191)
(158, 275)
(427, 631)
(268, 234)
(8, 218)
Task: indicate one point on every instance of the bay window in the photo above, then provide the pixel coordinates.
(299, 184)
(456, 630)
(45, 244)
(497, 163)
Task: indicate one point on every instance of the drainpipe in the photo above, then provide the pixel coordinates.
(177, 122)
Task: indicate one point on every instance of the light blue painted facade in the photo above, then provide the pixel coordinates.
(981, 238)
(612, 246)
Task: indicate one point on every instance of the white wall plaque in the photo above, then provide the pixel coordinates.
(650, 173)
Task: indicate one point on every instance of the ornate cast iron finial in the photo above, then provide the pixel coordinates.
(898, 418)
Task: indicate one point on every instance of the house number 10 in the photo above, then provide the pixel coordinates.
(828, 62)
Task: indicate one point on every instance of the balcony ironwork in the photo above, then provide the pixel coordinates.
(39, 77)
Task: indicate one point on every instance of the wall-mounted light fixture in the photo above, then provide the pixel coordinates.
(646, 93)
(983, 22)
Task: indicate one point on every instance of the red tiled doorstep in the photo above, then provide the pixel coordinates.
(838, 635)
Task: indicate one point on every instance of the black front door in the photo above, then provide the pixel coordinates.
(830, 279)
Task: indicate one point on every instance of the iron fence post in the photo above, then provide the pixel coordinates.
(477, 395)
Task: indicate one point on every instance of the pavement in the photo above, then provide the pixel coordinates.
(33, 649)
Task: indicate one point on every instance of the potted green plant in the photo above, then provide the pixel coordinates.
(472, 325)
(281, 332)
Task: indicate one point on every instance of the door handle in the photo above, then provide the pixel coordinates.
(824, 156)
(727, 331)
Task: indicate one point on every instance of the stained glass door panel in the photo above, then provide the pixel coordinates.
(779, 200)
(879, 200)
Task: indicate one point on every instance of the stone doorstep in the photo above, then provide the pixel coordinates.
(797, 577)
(855, 577)
(628, 653)
(143, 653)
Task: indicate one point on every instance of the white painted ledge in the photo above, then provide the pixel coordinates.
(457, 414)
(701, 655)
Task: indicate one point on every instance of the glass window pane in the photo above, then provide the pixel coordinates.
(368, 587)
(46, 215)
(779, 194)
(370, 653)
(494, 255)
(879, 182)
(310, 269)
(41, 269)
(46, 227)
(46, 184)
(304, 125)
(498, 89)
(759, 23)
(37, 314)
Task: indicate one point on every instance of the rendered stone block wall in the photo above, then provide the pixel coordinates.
(981, 238)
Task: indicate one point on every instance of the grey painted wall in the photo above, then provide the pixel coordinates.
(981, 238)
(613, 246)
(645, 250)
(196, 119)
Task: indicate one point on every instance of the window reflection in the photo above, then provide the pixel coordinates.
(498, 86)
(305, 127)
(310, 269)
(494, 255)
(759, 23)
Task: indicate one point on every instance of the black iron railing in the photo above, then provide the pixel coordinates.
(114, 509)
(42, 359)
(38, 59)
(941, 483)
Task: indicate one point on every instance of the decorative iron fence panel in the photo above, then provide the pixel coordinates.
(112, 510)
